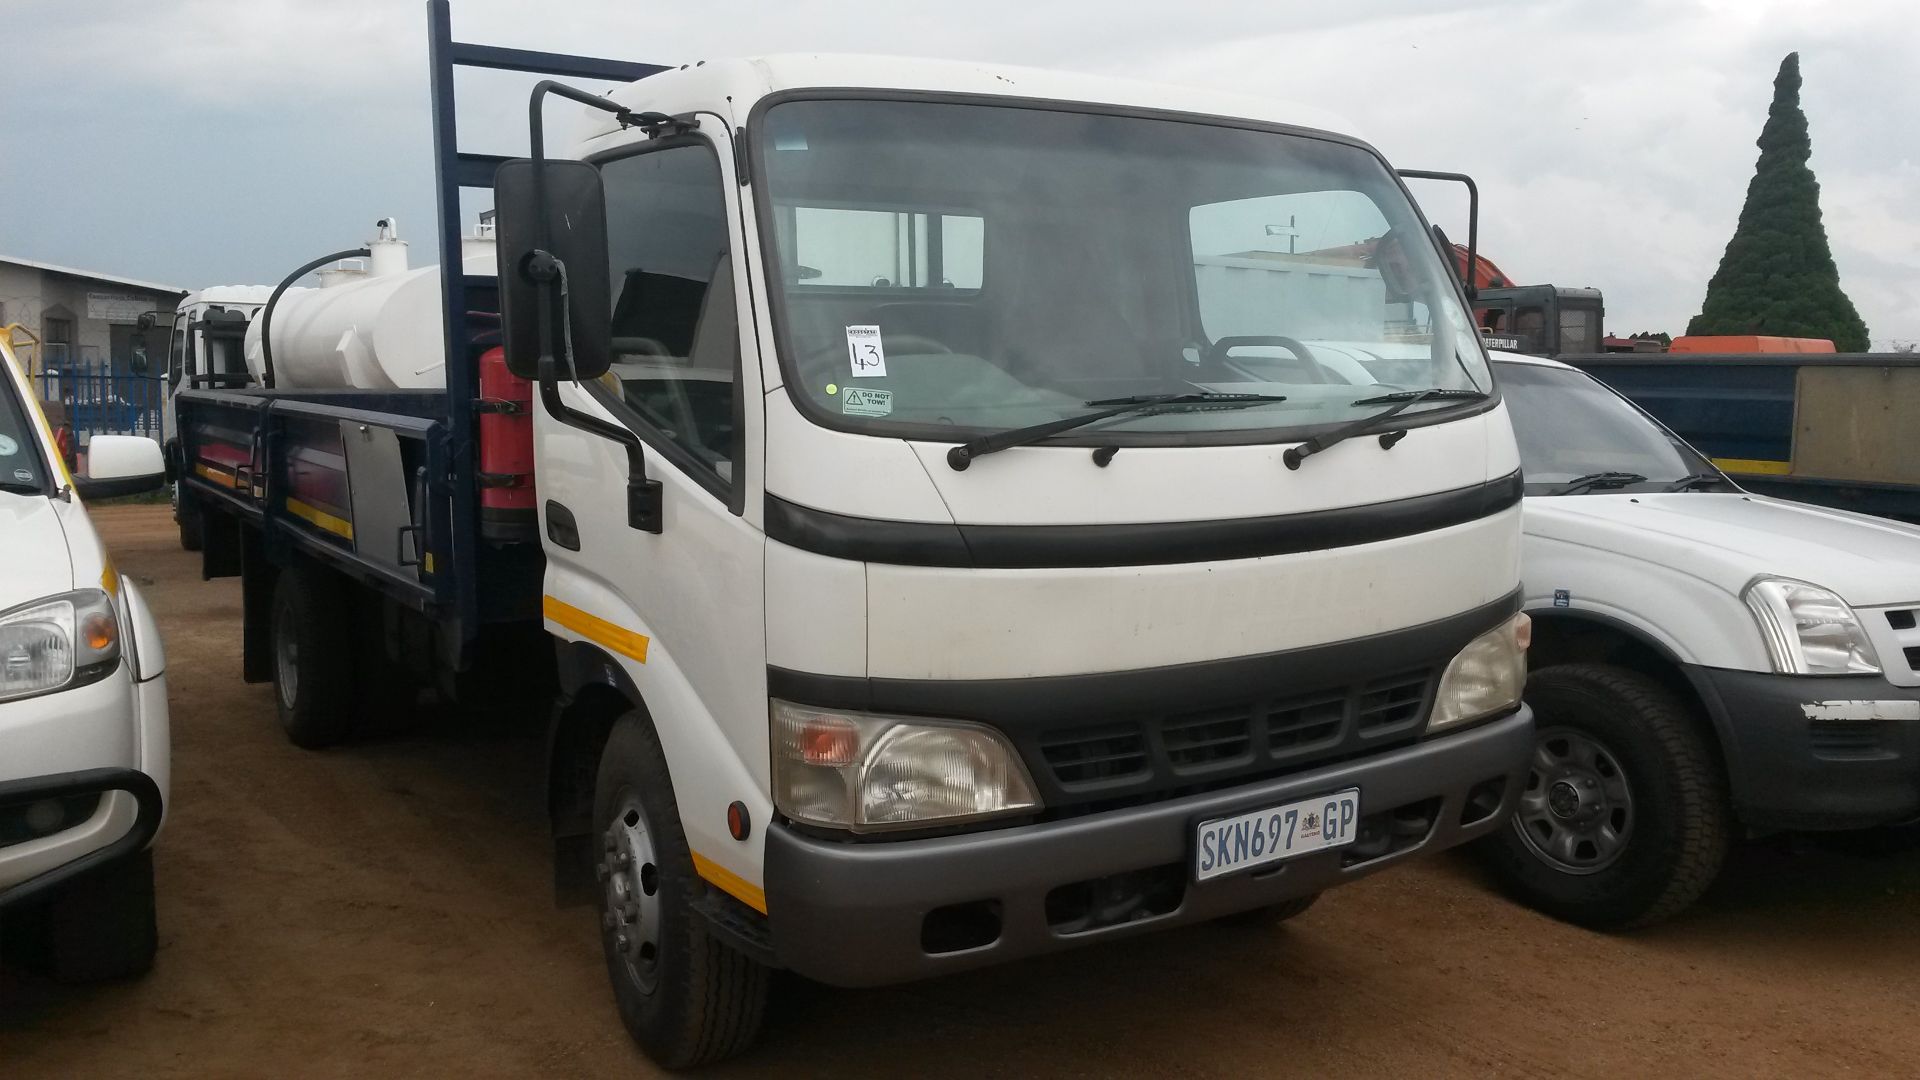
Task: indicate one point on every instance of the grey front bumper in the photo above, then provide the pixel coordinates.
(1790, 770)
(858, 914)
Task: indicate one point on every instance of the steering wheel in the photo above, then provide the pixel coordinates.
(1216, 355)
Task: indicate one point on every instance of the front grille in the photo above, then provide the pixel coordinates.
(1913, 657)
(1096, 758)
(1901, 619)
(1148, 755)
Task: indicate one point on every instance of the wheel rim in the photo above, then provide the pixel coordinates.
(1576, 812)
(286, 656)
(630, 902)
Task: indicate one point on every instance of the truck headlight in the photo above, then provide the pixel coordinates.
(864, 772)
(1809, 630)
(1486, 677)
(61, 641)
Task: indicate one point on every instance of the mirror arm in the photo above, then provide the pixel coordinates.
(643, 495)
(1473, 221)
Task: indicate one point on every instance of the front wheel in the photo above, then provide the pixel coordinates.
(1624, 819)
(192, 521)
(687, 998)
(102, 926)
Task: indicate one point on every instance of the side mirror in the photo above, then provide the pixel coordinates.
(545, 317)
(121, 465)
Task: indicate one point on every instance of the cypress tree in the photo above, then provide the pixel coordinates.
(1777, 276)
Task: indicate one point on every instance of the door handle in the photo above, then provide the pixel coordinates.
(561, 528)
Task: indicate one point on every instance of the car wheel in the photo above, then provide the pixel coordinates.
(101, 926)
(192, 521)
(686, 997)
(313, 658)
(1624, 818)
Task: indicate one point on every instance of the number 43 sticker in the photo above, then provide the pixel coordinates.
(864, 350)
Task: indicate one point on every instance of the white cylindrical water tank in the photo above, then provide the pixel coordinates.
(380, 332)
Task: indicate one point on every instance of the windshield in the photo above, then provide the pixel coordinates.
(21, 466)
(1569, 426)
(947, 270)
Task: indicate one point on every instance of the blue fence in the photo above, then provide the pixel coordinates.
(102, 401)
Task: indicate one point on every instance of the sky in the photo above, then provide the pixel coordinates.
(201, 142)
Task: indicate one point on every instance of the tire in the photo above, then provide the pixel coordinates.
(313, 647)
(687, 998)
(192, 522)
(101, 926)
(1273, 914)
(1625, 818)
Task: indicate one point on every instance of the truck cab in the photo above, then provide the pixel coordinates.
(203, 349)
(963, 529)
(924, 654)
(1541, 320)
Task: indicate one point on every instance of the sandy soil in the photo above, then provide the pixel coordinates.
(386, 910)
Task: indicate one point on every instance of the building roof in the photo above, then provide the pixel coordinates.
(115, 279)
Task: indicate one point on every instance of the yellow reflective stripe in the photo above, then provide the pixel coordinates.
(319, 518)
(730, 883)
(224, 479)
(595, 629)
(1754, 468)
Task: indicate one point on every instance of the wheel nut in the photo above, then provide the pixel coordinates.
(620, 888)
(621, 942)
(601, 871)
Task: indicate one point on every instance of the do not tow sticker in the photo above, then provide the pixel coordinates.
(864, 350)
(859, 401)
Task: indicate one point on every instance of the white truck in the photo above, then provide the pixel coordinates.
(84, 750)
(1706, 662)
(209, 328)
(911, 578)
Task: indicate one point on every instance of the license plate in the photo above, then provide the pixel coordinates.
(1229, 845)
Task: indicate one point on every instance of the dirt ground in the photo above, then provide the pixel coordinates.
(386, 910)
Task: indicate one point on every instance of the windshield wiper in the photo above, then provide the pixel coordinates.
(21, 487)
(1598, 479)
(1396, 403)
(1435, 394)
(1688, 483)
(961, 456)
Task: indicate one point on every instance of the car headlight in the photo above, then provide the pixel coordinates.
(1486, 677)
(1809, 630)
(863, 772)
(61, 641)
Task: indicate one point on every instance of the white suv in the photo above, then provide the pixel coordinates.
(83, 708)
(1706, 662)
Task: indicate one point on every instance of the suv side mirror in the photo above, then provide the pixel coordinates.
(121, 465)
(578, 304)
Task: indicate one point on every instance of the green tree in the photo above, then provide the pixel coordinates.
(1777, 276)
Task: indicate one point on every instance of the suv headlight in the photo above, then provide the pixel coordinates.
(1809, 630)
(864, 772)
(61, 641)
(1486, 677)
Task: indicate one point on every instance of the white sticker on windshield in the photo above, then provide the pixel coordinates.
(860, 401)
(8, 447)
(864, 350)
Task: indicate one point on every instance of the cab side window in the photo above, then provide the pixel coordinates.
(675, 335)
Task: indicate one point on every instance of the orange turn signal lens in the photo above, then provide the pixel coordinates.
(98, 631)
(829, 740)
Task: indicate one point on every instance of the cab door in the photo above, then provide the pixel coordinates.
(682, 611)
